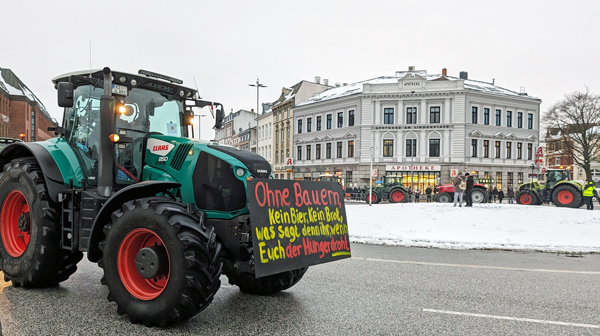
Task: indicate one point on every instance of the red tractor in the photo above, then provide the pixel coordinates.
(446, 192)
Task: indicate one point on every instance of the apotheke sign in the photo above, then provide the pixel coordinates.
(414, 168)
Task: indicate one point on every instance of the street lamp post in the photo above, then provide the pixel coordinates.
(371, 179)
(199, 125)
(412, 143)
(258, 85)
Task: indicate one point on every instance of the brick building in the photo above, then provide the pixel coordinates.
(21, 112)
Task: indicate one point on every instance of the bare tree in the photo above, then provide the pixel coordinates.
(577, 117)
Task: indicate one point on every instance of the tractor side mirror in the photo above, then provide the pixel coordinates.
(65, 94)
(219, 116)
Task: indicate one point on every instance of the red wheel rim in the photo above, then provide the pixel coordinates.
(397, 196)
(15, 241)
(565, 197)
(526, 199)
(136, 285)
(372, 198)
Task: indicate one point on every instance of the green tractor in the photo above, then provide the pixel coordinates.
(390, 189)
(558, 189)
(163, 215)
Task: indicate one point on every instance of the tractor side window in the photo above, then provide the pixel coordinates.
(82, 124)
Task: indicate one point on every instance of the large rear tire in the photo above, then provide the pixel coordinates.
(566, 195)
(267, 285)
(398, 196)
(30, 250)
(160, 261)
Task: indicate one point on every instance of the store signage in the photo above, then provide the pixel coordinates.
(453, 172)
(374, 173)
(543, 170)
(414, 168)
(539, 152)
(289, 161)
(538, 162)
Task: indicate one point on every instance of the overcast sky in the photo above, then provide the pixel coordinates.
(549, 47)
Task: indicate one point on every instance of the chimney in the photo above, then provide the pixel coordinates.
(444, 72)
(464, 75)
(337, 84)
(344, 84)
(252, 110)
(326, 82)
(318, 80)
(411, 68)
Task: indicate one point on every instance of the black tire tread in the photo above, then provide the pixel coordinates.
(267, 285)
(53, 264)
(202, 268)
(577, 196)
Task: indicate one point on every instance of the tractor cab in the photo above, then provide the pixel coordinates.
(554, 176)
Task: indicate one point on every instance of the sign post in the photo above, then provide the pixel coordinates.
(296, 224)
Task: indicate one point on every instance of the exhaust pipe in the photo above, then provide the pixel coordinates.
(106, 151)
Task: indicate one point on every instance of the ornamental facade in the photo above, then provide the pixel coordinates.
(431, 125)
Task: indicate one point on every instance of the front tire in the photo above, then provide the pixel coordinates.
(566, 195)
(527, 198)
(267, 285)
(478, 196)
(160, 261)
(374, 196)
(30, 250)
(444, 197)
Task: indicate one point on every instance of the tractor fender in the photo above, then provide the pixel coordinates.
(134, 191)
(53, 177)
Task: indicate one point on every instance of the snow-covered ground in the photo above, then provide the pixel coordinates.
(485, 226)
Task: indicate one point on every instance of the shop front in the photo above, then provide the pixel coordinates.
(317, 173)
(422, 176)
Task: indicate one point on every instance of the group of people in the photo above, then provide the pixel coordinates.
(498, 195)
(429, 191)
(463, 189)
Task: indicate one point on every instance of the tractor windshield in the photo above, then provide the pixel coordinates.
(146, 111)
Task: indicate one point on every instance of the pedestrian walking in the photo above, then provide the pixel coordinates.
(460, 184)
(495, 194)
(500, 195)
(428, 192)
(490, 192)
(410, 194)
(417, 194)
(589, 191)
(469, 190)
(511, 194)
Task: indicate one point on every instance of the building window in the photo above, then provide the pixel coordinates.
(509, 150)
(473, 147)
(340, 119)
(308, 125)
(282, 135)
(339, 149)
(328, 150)
(329, 118)
(411, 115)
(474, 114)
(351, 148)
(318, 123)
(499, 180)
(299, 126)
(287, 153)
(348, 176)
(508, 118)
(351, 118)
(411, 147)
(434, 115)
(276, 137)
(299, 153)
(282, 160)
(529, 120)
(497, 156)
(276, 157)
(520, 119)
(32, 125)
(388, 148)
(308, 150)
(498, 117)
(486, 148)
(519, 150)
(318, 152)
(388, 115)
(557, 161)
(520, 178)
(529, 151)
(288, 133)
(434, 147)
(486, 116)
(509, 180)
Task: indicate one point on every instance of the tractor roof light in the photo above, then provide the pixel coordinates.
(22, 135)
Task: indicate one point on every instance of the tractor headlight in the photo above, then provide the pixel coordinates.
(133, 82)
(240, 172)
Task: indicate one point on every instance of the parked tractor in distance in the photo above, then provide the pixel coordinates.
(558, 189)
(390, 190)
(163, 215)
(446, 192)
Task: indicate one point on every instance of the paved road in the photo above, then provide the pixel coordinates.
(380, 291)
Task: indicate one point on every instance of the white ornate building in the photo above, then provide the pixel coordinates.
(430, 124)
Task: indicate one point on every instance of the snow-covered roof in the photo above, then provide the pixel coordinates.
(358, 87)
(11, 84)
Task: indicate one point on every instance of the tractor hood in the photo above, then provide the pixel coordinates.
(258, 166)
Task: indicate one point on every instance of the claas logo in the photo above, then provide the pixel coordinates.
(160, 148)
